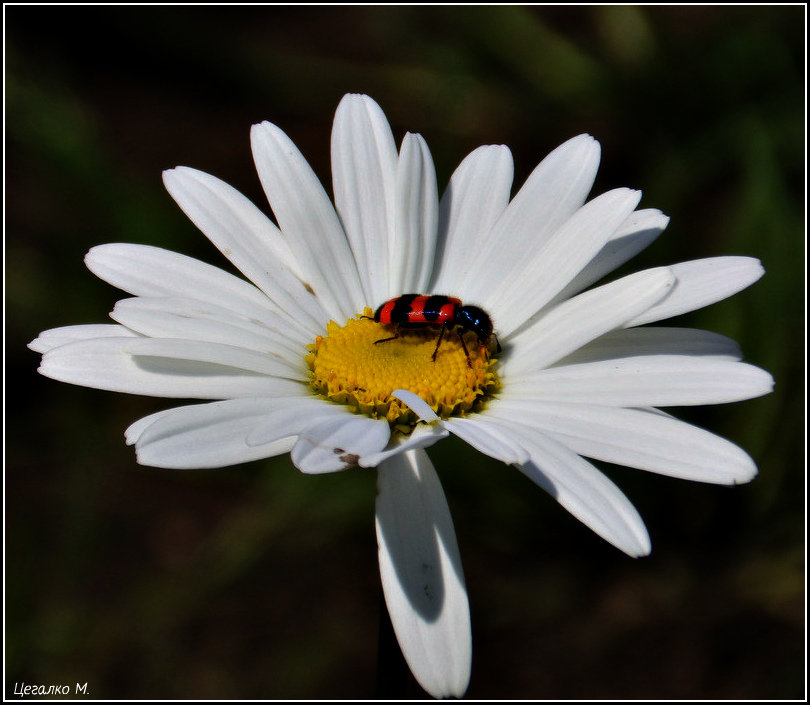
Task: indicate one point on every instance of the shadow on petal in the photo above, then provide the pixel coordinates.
(409, 533)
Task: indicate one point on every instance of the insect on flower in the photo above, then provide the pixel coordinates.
(416, 310)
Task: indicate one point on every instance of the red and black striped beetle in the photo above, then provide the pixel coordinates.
(415, 310)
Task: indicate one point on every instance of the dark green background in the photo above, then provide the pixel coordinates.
(260, 582)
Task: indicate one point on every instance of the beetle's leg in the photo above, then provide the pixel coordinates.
(439, 341)
(464, 345)
(385, 340)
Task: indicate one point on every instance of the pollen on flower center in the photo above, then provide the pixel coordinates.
(350, 366)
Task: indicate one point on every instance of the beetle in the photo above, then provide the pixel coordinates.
(416, 310)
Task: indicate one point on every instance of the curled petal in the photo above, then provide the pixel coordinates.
(339, 443)
(423, 436)
(416, 404)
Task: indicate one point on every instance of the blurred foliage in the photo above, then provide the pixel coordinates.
(257, 581)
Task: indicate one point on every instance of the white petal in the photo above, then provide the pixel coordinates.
(308, 221)
(538, 274)
(218, 354)
(423, 436)
(215, 435)
(557, 187)
(634, 234)
(703, 282)
(638, 230)
(103, 363)
(422, 576)
(416, 218)
(136, 429)
(339, 443)
(53, 338)
(549, 197)
(635, 438)
(477, 195)
(154, 272)
(247, 238)
(631, 342)
(199, 320)
(650, 380)
(294, 419)
(583, 491)
(416, 404)
(575, 322)
(364, 166)
(235, 221)
(488, 437)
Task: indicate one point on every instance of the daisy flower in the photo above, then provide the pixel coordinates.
(295, 359)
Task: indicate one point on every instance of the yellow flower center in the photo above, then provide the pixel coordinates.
(355, 365)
